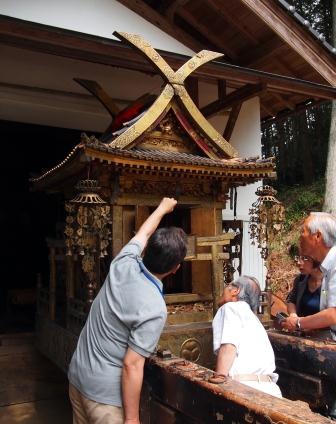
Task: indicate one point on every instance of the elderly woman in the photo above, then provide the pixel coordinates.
(240, 341)
(304, 298)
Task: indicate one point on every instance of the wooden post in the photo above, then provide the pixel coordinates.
(117, 230)
(215, 278)
(70, 277)
(52, 284)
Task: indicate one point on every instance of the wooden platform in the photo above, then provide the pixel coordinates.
(32, 389)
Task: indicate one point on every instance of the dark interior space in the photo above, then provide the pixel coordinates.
(181, 281)
(27, 217)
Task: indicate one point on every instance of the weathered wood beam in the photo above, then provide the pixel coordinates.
(155, 18)
(285, 68)
(253, 57)
(267, 110)
(290, 105)
(237, 96)
(232, 20)
(100, 94)
(191, 85)
(232, 121)
(88, 48)
(173, 7)
(221, 89)
(295, 36)
(208, 34)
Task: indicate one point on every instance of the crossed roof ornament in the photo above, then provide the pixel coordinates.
(174, 88)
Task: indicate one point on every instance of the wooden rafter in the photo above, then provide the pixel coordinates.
(69, 44)
(191, 85)
(221, 10)
(253, 57)
(221, 89)
(152, 16)
(286, 69)
(208, 34)
(295, 36)
(290, 105)
(267, 110)
(94, 88)
(173, 7)
(232, 121)
(242, 94)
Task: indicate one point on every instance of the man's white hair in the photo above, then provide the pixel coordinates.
(325, 223)
(249, 290)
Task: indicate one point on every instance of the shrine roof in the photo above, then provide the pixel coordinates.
(240, 170)
(182, 158)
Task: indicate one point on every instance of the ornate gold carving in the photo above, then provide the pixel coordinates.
(176, 79)
(140, 126)
(169, 136)
(165, 144)
(192, 189)
(202, 123)
(191, 350)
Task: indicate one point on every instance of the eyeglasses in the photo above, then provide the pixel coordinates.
(230, 285)
(302, 258)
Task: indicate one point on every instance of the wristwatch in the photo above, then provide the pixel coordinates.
(298, 325)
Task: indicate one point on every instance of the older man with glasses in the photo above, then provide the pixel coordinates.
(240, 341)
(318, 241)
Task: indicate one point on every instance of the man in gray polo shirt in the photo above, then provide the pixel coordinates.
(124, 325)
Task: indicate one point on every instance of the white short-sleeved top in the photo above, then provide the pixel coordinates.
(328, 288)
(236, 324)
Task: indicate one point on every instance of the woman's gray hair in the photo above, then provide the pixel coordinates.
(249, 291)
(325, 223)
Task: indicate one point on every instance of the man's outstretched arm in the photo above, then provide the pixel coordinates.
(166, 205)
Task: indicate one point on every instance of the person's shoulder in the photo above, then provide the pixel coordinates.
(132, 248)
(300, 278)
(235, 307)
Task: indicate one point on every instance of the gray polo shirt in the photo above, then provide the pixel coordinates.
(129, 311)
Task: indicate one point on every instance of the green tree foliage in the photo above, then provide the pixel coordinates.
(318, 13)
(300, 142)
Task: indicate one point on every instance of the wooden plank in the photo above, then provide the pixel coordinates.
(191, 85)
(186, 298)
(128, 224)
(232, 121)
(117, 229)
(295, 36)
(203, 223)
(161, 22)
(209, 257)
(208, 35)
(232, 21)
(208, 241)
(141, 214)
(238, 96)
(70, 44)
(52, 284)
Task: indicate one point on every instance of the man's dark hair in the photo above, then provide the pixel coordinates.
(165, 249)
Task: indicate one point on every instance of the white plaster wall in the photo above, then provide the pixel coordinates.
(246, 138)
(95, 17)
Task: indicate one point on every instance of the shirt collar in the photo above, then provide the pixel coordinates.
(329, 260)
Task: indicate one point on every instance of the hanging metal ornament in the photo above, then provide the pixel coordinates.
(87, 226)
(266, 219)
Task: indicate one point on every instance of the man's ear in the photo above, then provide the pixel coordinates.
(236, 290)
(175, 269)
